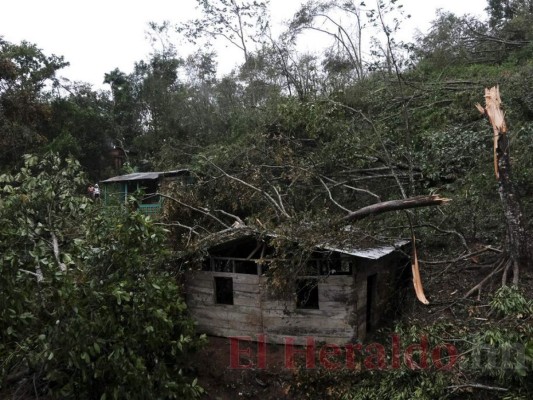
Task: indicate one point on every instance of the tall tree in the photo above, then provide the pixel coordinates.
(125, 107)
(238, 22)
(26, 73)
(160, 97)
(242, 24)
(81, 125)
(501, 11)
(323, 16)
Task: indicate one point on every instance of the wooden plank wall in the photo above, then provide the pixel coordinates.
(341, 316)
(255, 312)
(243, 318)
(331, 323)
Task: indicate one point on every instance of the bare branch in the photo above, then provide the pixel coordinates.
(378, 134)
(463, 257)
(268, 196)
(395, 205)
(477, 386)
(202, 211)
(501, 266)
(189, 228)
(449, 231)
(38, 274)
(279, 199)
(237, 219)
(352, 188)
(332, 199)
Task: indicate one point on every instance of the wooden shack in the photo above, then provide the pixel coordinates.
(343, 300)
(149, 185)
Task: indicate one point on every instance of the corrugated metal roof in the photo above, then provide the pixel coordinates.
(371, 253)
(139, 176)
(368, 251)
(133, 177)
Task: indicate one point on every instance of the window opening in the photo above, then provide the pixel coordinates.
(223, 290)
(307, 294)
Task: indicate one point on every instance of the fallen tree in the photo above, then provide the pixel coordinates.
(398, 205)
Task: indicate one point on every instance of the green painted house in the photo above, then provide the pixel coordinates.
(150, 185)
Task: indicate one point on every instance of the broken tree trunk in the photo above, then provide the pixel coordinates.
(517, 235)
(395, 205)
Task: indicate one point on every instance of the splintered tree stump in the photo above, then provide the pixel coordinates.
(517, 236)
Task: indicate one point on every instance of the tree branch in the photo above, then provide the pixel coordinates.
(395, 205)
(268, 196)
(55, 247)
(331, 197)
(237, 219)
(499, 268)
(451, 232)
(352, 188)
(477, 386)
(207, 213)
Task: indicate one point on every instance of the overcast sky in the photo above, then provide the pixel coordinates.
(98, 36)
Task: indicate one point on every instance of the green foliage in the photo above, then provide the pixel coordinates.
(401, 385)
(450, 41)
(450, 155)
(504, 354)
(24, 68)
(465, 40)
(510, 300)
(369, 385)
(502, 12)
(89, 308)
(496, 354)
(120, 336)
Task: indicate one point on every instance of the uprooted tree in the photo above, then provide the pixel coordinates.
(518, 251)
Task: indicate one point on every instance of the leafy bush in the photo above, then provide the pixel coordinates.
(88, 308)
(510, 300)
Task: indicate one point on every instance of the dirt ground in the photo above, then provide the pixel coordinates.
(222, 382)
